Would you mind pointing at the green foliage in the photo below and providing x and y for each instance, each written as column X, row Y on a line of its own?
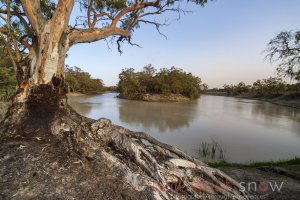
column 8, row 82
column 212, row 151
column 80, row 81
column 174, row 80
column 240, row 88
column 48, row 8
column 272, row 86
column 76, row 80
column 269, row 86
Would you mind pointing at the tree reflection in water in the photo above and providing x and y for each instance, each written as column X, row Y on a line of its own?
column 81, row 104
column 163, row 116
column 248, row 129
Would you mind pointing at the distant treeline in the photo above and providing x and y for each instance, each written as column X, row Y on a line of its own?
column 264, row 87
column 166, row 81
column 76, row 81
column 81, row 81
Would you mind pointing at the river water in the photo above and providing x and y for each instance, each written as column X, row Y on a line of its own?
column 246, row 130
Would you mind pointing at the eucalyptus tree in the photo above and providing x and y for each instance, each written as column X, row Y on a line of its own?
column 37, row 35
column 284, row 49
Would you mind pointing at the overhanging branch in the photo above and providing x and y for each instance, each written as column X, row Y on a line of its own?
column 91, row 35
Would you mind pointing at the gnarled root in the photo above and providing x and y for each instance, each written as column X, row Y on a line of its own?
column 160, row 170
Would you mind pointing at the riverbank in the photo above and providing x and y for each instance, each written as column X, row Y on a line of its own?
column 290, row 100
column 156, row 97
column 77, row 94
column 292, row 164
column 260, row 178
column 265, row 185
column 40, row 167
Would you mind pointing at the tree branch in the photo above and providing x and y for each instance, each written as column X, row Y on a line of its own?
column 10, row 32
column 21, row 40
column 8, row 49
column 88, row 35
column 60, row 19
column 32, row 10
column 91, row 25
column 139, row 5
column 12, row 12
column 24, row 22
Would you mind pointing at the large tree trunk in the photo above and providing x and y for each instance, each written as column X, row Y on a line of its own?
column 40, row 78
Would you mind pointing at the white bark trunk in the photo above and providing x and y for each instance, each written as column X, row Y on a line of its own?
column 50, row 56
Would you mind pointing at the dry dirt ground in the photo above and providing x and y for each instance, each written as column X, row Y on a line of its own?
column 40, row 168
column 264, row 182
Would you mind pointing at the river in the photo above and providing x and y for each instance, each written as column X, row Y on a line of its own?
column 246, row 130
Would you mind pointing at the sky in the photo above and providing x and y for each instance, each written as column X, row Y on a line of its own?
column 223, row 42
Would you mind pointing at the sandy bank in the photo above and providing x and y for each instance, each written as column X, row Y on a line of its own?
column 157, row 97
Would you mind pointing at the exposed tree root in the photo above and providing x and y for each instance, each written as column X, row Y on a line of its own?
column 160, row 170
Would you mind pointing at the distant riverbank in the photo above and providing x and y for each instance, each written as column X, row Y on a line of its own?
column 156, row 97
column 78, row 94
column 75, row 94
column 285, row 173
column 290, row 100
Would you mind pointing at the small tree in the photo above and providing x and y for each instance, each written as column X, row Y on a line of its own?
column 258, row 87
column 285, row 49
column 241, row 88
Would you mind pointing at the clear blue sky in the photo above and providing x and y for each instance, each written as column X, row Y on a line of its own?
column 222, row 43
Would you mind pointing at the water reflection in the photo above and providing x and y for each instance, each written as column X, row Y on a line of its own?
column 276, row 113
column 163, row 116
column 82, row 104
column 249, row 130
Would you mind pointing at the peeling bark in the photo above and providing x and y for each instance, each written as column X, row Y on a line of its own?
column 160, row 170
